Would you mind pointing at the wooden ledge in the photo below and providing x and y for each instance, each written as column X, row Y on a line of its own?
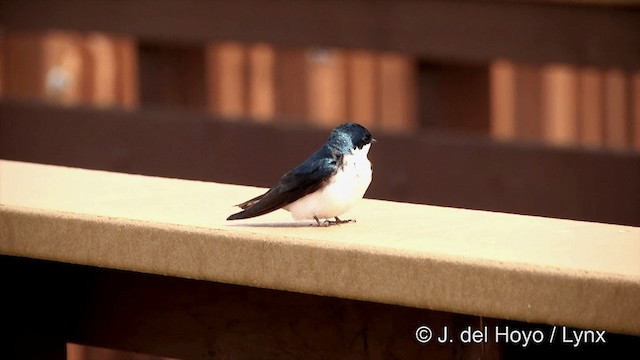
column 472, row 262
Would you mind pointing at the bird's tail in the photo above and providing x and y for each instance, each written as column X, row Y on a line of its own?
column 246, row 209
column 239, row 215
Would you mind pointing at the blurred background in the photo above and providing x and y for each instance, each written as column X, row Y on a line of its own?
column 555, row 103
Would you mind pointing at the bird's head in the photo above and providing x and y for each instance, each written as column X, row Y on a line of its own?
column 351, row 136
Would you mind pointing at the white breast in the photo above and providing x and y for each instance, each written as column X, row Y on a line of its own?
column 342, row 191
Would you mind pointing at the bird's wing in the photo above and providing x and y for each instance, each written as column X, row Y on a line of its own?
column 303, row 180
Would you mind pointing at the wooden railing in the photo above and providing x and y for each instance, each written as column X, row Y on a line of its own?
column 399, row 267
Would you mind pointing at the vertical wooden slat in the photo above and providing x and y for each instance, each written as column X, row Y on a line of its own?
column 396, row 96
column 503, row 122
column 361, row 87
column 226, row 74
column 102, row 73
column 528, row 102
column 291, row 84
column 172, row 75
column 64, row 59
column 127, row 87
column 326, row 87
column 590, row 107
column 2, row 55
column 559, row 117
column 615, row 92
column 94, row 68
column 24, row 65
column 635, row 100
column 261, row 83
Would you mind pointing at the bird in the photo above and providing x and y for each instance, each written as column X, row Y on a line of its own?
column 325, row 185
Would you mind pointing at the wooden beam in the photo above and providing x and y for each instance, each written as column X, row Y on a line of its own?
column 466, row 31
column 459, row 260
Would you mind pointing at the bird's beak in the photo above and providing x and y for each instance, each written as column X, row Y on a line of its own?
column 373, row 140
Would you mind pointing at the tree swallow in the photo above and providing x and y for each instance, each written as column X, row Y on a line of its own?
column 325, row 185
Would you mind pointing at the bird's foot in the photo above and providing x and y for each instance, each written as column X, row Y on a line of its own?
column 338, row 221
column 328, row 222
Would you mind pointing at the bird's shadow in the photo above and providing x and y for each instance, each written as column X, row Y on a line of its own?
column 278, row 225
column 292, row 224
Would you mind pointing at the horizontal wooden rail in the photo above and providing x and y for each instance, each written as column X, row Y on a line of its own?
column 480, row 31
column 471, row 262
column 425, row 167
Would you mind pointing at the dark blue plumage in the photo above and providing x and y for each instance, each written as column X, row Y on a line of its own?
column 311, row 174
